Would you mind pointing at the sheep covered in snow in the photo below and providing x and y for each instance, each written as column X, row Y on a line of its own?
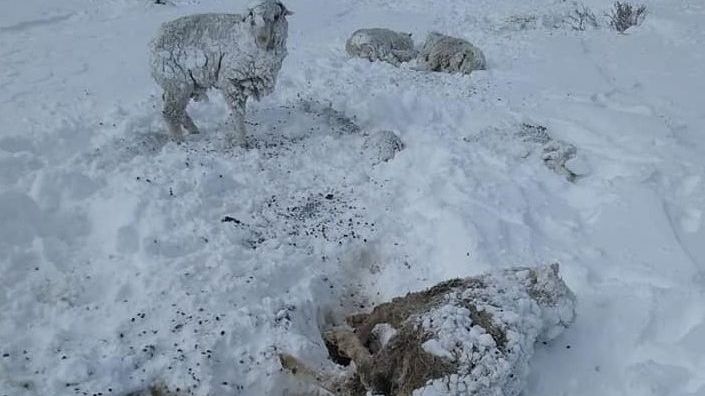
column 471, row 336
column 381, row 44
column 443, row 53
column 240, row 55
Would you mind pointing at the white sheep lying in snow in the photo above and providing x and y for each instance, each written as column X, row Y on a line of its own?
column 239, row 55
column 450, row 54
column 381, row 44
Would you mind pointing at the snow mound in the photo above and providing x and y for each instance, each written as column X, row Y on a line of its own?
column 382, row 146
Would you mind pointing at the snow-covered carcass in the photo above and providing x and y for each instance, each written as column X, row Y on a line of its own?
column 471, row 336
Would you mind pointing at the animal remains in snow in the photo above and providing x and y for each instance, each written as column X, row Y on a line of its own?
column 471, row 336
column 379, row 44
column 557, row 155
column 443, row 53
column 239, row 55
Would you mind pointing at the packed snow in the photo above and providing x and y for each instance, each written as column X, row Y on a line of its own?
column 128, row 259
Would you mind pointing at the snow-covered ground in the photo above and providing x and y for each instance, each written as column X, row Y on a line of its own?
column 126, row 259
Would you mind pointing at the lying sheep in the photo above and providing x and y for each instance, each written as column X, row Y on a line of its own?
column 443, row 53
column 381, row 44
column 471, row 336
column 239, row 55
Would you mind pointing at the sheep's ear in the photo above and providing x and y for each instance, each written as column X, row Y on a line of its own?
column 249, row 17
column 285, row 12
column 254, row 16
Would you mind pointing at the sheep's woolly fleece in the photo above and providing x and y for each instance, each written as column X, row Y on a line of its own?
column 381, row 44
column 122, row 262
column 448, row 54
column 239, row 55
column 522, row 306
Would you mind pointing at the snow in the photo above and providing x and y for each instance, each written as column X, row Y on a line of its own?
column 119, row 266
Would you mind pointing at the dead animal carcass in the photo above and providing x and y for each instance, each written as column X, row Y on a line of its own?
column 471, row 336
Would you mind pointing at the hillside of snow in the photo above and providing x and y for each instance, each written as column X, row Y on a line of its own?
column 127, row 259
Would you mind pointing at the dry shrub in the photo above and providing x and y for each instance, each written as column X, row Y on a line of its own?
column 625, row 15
column 582, row 18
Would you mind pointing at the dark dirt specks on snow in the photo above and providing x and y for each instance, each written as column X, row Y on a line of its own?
column 301, row 218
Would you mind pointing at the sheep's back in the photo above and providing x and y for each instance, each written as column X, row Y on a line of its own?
column 204, row 30
column 192, row 49
column 213, row 51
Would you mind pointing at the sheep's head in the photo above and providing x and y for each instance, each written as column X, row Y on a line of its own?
column 268, row 20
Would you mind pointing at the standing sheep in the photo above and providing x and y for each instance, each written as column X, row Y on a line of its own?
column 239, row 55
column 450, row 54
column 381, row 44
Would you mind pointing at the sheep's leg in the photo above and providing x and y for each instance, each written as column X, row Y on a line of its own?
column 188, row 123
column 349, row 345
column 237, row 101
column 170, row 113
column 363, row 323
column 335, row 383
column 174, row 113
